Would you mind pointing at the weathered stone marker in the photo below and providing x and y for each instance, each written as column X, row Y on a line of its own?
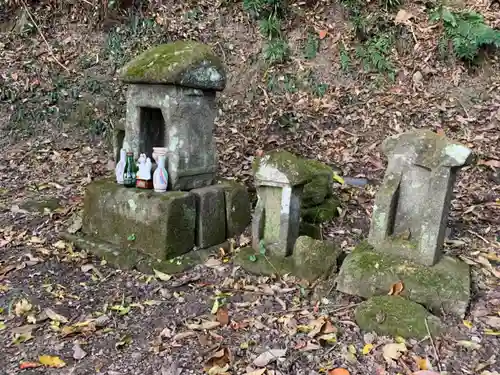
column 411, row 207
column 408, row 226
column 171, row 103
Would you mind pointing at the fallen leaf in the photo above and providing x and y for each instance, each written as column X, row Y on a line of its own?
column 469, row 344
column 76, row 224
column 208, row 324
column 396, row 289
column 26, row 365
column 22, row 307
column 338, row 371
column 392, row 352
column 162, row 276
column 260, row 371
column 468, row 324
column 492, row 321
column 306, row 346
column 269, row 356
column 426, row 372
column 51, row 361
column 322, row 34
column 367, row 349
column 490, row 163
column 223, row 316
column 78, row 352
column 403, row 16
column 219, row 359
column 61, row 245
column 52, row 315
column 423, row 363
column 183, row 335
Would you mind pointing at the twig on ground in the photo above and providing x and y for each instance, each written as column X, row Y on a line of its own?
column 43, row 37
column 433, row 346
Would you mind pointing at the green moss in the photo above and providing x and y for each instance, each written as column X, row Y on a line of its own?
column 184, row 63
column 310, row 261
column 396, row 316
column 321, row 213
column 444, row 286
column 159, row 224
column 298, row 170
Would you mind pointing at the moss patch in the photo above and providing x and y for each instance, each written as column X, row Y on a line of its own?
column 311, row 260
column 444, row 287
column 183, row 63
column 296, row 169
column 396, row 316
column 133, row 259
column 321, row 213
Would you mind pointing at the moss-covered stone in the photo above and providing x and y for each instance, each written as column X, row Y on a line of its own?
column 159, row 224
column 316, row 191
column 396, row 316
column 314, row 258
column 238, row 214
column 132, row 259
column 311, row 260
column 442, row 288
column 310, row 229
column 321, row 213
column 183, row 63
column 290, row 168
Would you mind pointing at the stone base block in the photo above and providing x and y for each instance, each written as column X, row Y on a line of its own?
column 210, row 216
column 442, row 288
column 238, row 215
column 159, row 224
column 311, row 260
column 186, row 183
column 396, row 316
column 122, row 258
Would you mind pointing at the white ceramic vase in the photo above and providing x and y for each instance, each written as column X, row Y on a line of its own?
column 120, row 166
column 160, row 175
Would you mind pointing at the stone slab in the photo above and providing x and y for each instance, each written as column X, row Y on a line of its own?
column 184, row 63
column 210, row 216
column 122, row 258
column 159, row 224
column 396, row 316
column 311, row 261
column 442, row 288
column 238, row 214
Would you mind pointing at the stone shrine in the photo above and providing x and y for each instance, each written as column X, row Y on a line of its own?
column 171, row 104
column 408, row 228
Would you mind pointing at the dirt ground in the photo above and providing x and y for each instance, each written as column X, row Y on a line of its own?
column 55, row 121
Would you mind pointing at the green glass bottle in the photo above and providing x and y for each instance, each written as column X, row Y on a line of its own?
column 129, row 174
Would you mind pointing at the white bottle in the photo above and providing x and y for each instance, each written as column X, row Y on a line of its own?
column 120, row 166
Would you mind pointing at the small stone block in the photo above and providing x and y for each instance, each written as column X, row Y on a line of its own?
column 442, row 288
column 161, row 225
column 210, row 216
column 314, row 258
column 396, row 316
column 238, row 215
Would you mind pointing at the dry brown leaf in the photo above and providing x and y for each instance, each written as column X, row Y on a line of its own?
column 490, row 163
column 222, row 316
column 392, row 352
column 403, row 17
column 260, row 371
column 492, row 321
column 221, row 358
column 396, row 289
column 207, row 324
column 269, row 356
column 52, row 315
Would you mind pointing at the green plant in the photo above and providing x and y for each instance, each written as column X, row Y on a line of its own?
column 311, row 46
column 391, row 4
column 374, row 55
column 345, row 60
column 467, row 32
column 263, row 8
column 270, row 27
column 276, row 51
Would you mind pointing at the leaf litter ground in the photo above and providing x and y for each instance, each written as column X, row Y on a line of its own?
column 121, row 322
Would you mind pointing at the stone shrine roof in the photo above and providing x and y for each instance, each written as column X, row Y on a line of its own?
column 182, row 63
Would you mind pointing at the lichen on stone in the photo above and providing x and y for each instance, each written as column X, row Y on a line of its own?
column 183, row 63
column 396, row 316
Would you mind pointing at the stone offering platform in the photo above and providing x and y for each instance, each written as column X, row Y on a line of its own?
column 162, row 226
